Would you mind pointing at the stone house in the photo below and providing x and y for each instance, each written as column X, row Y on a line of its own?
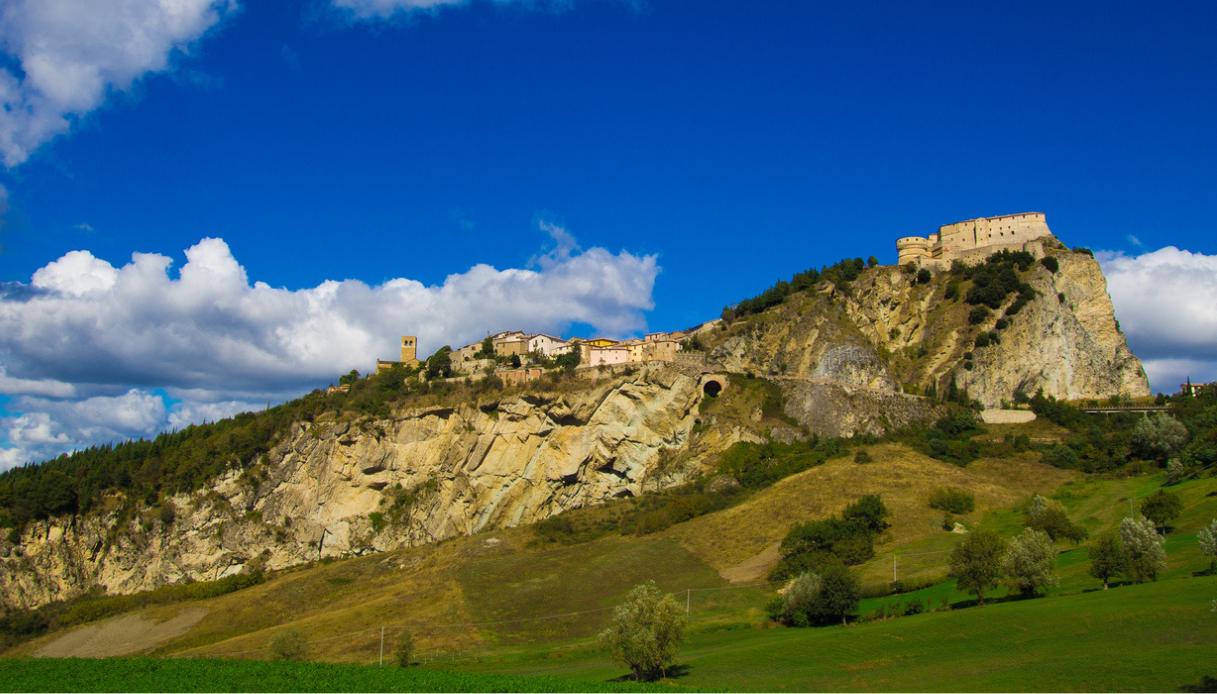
column 515, row 377
column 606, row 356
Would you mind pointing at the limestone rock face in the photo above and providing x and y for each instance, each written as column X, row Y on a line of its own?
column 1066, row 343
column 430, row 474
column 886, row 334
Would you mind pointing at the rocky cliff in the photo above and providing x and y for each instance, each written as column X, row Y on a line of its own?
column 860, row 346
column 338, row 487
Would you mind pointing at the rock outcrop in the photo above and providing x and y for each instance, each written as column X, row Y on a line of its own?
column 888, row 333
column 340, row 488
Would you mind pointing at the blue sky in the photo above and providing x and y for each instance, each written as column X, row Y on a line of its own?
column 706, row 149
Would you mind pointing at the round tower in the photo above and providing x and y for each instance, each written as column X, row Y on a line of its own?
column 912, row 249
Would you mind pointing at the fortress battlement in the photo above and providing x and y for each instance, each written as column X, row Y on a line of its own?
column 973, row 240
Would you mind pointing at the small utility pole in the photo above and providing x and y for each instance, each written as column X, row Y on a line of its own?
column 382, row 645
column 688, row 600
column 893, row 567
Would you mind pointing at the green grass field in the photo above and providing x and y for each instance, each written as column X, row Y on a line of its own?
column 182, row 675
column 1151, row 637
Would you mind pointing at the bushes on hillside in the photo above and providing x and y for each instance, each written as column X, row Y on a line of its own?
column 952, row 500
column 847, row 539
column 289, row 645
column 1158, row 437
column 827, row 597
column 1049, row 517
column 841, row 274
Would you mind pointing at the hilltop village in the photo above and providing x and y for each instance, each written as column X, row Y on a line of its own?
column 518, row 357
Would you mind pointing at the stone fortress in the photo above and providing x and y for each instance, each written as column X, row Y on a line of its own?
column 973, row 240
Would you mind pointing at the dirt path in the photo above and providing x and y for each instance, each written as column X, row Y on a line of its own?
column 754, row 568
column 123, row 635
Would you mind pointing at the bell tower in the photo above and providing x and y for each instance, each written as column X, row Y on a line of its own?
column 409, row 350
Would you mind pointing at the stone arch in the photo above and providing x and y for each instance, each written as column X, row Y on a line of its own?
column 713, row 384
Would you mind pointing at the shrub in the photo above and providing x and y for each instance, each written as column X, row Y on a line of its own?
column 645, row 632
column 1144, row 549
column 1030, row 562
column 1001, row 324
column 977, row 315
column 1051, row 263
column 923, row 276
column 289, row 645
column 403, row 650
column 1107, row 558
column 1049, row 517
column 1162, row 507
column 976, row 563
column 862, row 457
column 1061, row 456
column 952, row 500
column 868, row 513
column 796, row 606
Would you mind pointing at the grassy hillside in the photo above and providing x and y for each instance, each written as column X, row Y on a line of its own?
column 1151, row 637
column 153, row 675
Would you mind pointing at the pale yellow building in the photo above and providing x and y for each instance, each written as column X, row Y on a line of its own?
column 973, row 240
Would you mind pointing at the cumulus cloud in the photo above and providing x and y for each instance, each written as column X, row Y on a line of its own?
column 1166, row 301
column 72, row 53
column 222, row 343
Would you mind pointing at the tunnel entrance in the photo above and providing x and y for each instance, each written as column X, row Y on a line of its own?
column 712, row 388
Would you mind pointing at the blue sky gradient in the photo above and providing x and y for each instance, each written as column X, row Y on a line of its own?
column 736, row 142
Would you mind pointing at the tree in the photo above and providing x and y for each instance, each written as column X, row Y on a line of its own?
column 348, row 378
column 439, row 365
column 923, row 276
column 515, row 361
column 1107, row 558
column 403, row 650
column 867, row 513
column 1143, row 549
column 839, row 594
column 976, row 563
column 795, row 607
column 289, row 645
column 872, row 261
column 1030, row 562
column 1208, row 543
column 1158, row 437
column 486, row 351
column 646, row 631
column 826, row 597
column 1162, row 507
column 1049, row 516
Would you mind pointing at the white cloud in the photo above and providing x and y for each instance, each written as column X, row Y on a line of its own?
column 3, row 202
column 1166, row 301
column 224, row 344
column 46, row 428
column 73, row 53
column 381, row 9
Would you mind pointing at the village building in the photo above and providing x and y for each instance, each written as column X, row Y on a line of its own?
column 513, row 343
column 409, row 355
column 605, row 356
column 515, row 377
column 548, row 345
column 1195, row 390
